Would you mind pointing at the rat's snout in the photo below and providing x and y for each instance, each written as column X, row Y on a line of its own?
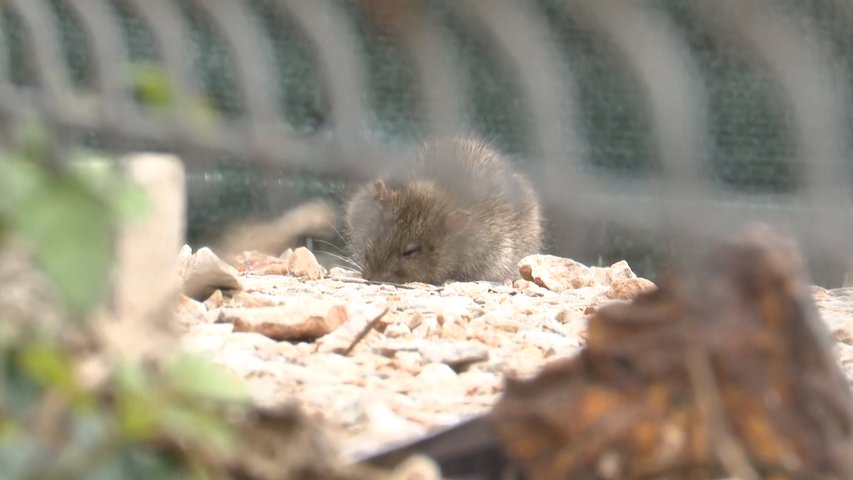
column 373, row 274
column 386, row 275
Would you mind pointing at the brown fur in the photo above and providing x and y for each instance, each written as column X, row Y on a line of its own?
column 461, row 214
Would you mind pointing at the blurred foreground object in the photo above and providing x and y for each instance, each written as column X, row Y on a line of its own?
column 145, row 284
column 725, row 371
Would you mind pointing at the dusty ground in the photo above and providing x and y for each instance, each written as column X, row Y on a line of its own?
column 435, row 356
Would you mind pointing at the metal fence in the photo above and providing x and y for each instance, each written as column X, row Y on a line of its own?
column 645, row 125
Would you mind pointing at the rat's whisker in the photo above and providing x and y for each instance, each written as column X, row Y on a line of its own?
column 339, row 249
column 342, row 258
column 338, row 232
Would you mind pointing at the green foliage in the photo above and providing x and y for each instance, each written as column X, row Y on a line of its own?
column 111, row 435
column 67, row 225
column 141, row 422
column 151, row 84
column 153, row 89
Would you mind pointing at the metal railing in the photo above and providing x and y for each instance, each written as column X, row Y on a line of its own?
column 554, row 63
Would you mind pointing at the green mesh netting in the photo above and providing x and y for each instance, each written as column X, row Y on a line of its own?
column 752, row 145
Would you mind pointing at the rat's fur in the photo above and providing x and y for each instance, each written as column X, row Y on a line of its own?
column 461, row 214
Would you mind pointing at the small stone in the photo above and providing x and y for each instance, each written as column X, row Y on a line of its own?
column 524, row 363
column 529, row 288
column 457, row 308
column 199, row 342
column 204, row 273
column 250, row 341
column 455, row 354
column 246, row 299
column 555, row 273
column 436, row 374
column 467, row 289
column 478, row 382
column 214, row 316
column 288, row 322
column 619, row 271
column 409, row 361
column 185, row 253
column 285, row 255
column 819, row 293
column 397, row 330
column 305, row 348
column 244, row 363
column 260, row 263
column 213, row 329
column 285, row 349
column 413, row 320
column 341, row 367
column 389, row 349
column 548, row 343
column 386, row 425
column 360, row 318
column 418, row 467
column 453, row 331
column 627, row 289
column 304, row 265
column 428, row 327
column 843, row 292
column 600, row 274
column 566, row 316
column 843, row 334
column 190, row 311
column 216, row 300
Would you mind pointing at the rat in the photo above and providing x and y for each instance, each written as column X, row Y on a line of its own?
column 461, row 213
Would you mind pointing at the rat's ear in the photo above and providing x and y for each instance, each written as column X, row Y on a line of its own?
column 383, row 193
column 457, row 221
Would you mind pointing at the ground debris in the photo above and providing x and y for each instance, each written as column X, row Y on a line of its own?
column 725, row 369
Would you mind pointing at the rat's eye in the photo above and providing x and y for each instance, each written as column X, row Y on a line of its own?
column 412, row 250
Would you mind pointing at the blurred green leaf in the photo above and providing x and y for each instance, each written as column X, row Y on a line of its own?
column 126, row 199
column 130, row 201
column 197, row 376
column 10, row 335
column 152, row 85
column 191, row 424
column 8, row 429
column 137, row 406
column 142, row 464
column 90, row 442
column 21, row 392
column 71, row 232
column 34, row 142
column 20, row 181
column 48, row 366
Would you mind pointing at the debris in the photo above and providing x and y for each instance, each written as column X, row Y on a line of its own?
column 259, row 263
column 344, row 340
column 725, row 368
column 628, row 288
column 289, row 322
column 555, row 273
column 204, row 273
column 303, row 264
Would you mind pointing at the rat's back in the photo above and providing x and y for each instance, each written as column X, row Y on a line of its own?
column 460, row 213
column 506, row 217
